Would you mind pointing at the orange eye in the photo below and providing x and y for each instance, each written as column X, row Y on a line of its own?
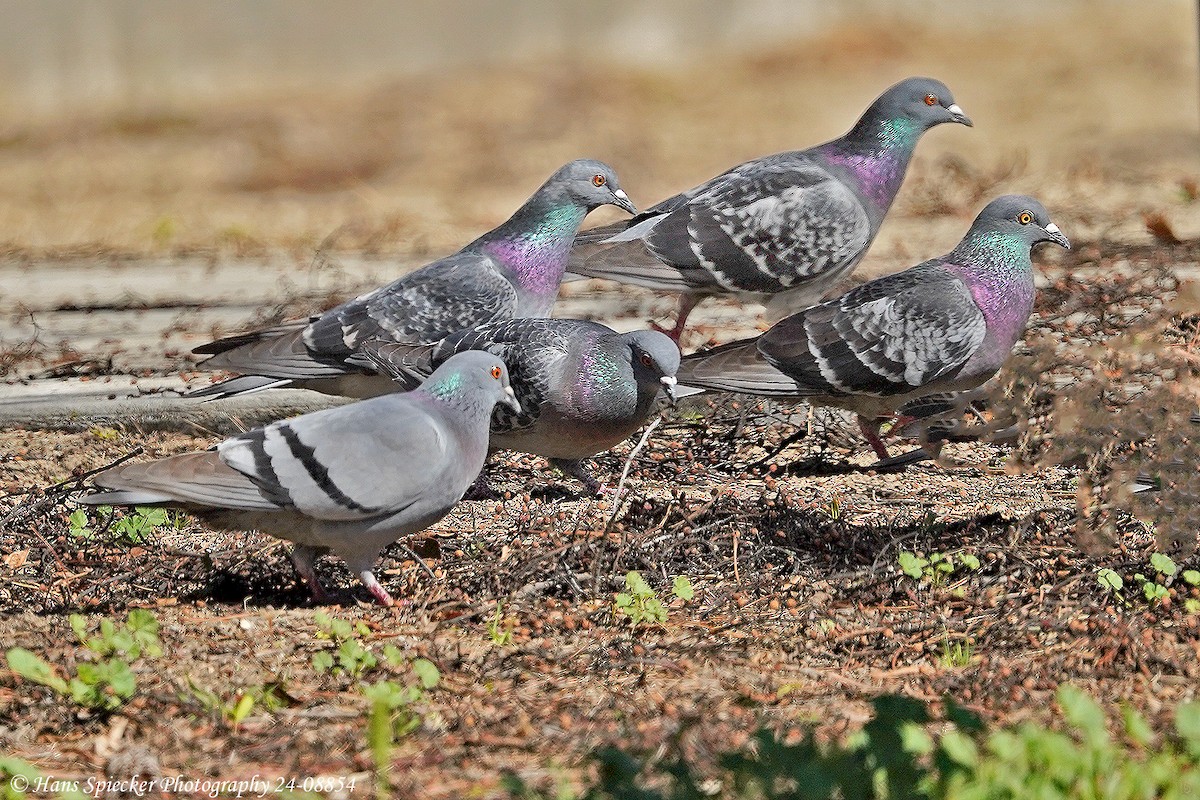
column 599, row 180
column 646, row 360
column 931, row 99
column 1024, row 218
column 497, row 372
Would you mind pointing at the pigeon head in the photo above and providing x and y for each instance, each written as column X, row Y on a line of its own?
column 473, row 376
column 655, row 359
column 1022, row 218
column 922, row 102
column 590, row 184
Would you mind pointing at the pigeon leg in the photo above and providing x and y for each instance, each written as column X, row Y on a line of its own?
column 375, row 588
column 687, row 302
column 870, row 429
column 578, row 470
column 302, row 559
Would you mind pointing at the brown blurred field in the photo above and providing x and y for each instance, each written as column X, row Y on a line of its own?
column 1096, row 112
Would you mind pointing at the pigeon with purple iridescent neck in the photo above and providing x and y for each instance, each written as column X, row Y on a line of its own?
column 582, row 386
column 781, row 229
column 945, row 325
column 351, row 479
column 511, row 272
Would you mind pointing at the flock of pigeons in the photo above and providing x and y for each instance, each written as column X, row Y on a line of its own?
column 460, row 357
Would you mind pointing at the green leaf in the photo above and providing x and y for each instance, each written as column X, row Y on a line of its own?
column 912, row 564
column 682, row 587
column 1110, row 580
column 426, row 671
column 242, row 709
column 1163, row 564
column 1083, row 713
column 322, row 661
column 1192, row 577
column 33, row 668
column 1136, row 727
column 623, row 600
column 1187, row 724
column 969, row 561
column 637, row 584
column 960, row 748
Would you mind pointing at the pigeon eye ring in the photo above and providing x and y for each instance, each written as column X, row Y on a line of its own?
column 599, row 180
column 496, row 372
column 931, row 99
column 647, row 360
column 1024, row 218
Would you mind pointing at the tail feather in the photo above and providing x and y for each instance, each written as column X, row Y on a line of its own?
column 244, row 384
column 737, row 367
column 618, row 252
column 200, row 478
column 274, row 353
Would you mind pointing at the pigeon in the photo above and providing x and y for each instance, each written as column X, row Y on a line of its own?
column 352, row 479
column 945, row 325
column 583, row 388
column 510, row 272
column 783, row 228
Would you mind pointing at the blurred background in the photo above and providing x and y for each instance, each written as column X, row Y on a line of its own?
column 261, row 132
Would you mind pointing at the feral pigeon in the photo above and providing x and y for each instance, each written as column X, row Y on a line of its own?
column 351, row 479
column 583, row 388
column 783, row 228
column 512, row 271
column 945, row 325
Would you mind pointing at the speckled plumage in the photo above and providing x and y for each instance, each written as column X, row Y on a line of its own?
column 582, row 387
column 947, row 324
column 351, row 479
column 787, row 226
column 513, row 271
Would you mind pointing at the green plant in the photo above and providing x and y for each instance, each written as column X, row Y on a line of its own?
column 902, row 753
column 498, row 631
column 129, row 528
column 956, row 655
column 106, row 683
column 639, row 603
column 937, row 568
column 270, row 696
column 350, row 656
column 392, row 716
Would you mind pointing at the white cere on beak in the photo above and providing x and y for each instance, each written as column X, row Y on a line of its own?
column 620, row 194
column 509, row 393
column 668, row 380
column 1052, row 228
column 955, row 109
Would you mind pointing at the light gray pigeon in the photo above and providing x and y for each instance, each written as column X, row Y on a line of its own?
column 583, row 388
column 510, row 272
column 945, row 325
column 783, row 228
column 351, row 479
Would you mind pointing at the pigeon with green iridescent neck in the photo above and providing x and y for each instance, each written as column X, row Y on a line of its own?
column 945, row 325
column 351, row 479
column 781, row 229
column 583, row 387
column 511, row 272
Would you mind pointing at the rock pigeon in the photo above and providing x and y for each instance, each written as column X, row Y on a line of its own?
column 945, row 325
column 583, row 388
column 351, row 479
column 512, row 271
column 783, row 228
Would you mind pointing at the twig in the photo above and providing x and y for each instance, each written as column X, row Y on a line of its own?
column 625, row 472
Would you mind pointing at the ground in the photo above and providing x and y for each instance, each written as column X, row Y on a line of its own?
column 801, row 610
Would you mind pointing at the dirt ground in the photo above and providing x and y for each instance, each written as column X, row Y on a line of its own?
column 802, row 612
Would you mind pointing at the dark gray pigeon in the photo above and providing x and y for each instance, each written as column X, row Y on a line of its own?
column 583, row 388
column 783, row 228
column 512, row 271
column 945, row 325
column 351, row 479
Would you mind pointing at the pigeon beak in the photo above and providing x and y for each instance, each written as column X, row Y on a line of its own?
column 621, row 200
column 959, row 116
column 510, row 400
column 669, row 382
column 1056, row 236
